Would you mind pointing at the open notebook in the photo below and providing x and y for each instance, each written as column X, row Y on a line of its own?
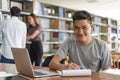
column 81, row 72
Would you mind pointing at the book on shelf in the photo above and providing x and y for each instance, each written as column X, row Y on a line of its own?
column 62, row 25
column 4, row 4
column 50, row 10
column 69, row 25
column 104, row 37
column 0, row 38
column 28, row 6
column 54, row 47
column 96, row 28
column 62, row 36
column 45, row 23
column 113, row 37
column 114, row 30
column 54, row 36
column 114, row 23
column 97, row 19
column 54, row 23
column 0, row 17
column 104, row 29
column 46, row 36
column 68, row 13
column 14, row 3
column 114, row 46
column 61, row 12
column 104, row 20
column 37, row 8
column 46, row 48
column 5, row 17
column 65, row 25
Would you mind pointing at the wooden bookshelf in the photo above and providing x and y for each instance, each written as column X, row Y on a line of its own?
column 57, row 23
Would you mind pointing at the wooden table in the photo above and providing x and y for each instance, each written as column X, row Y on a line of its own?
column 10, row 68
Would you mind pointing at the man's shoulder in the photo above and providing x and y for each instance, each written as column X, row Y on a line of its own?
column 71, row 39
column 100, row 41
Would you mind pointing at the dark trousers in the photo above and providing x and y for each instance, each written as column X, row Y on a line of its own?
column 6, row 60
column 36, row 52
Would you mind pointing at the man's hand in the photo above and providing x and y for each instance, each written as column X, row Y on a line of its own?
column 71, row 66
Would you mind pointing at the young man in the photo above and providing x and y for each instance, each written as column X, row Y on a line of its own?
column 14, row 35
column 84, row 51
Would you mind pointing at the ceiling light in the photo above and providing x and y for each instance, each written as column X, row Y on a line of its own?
column 92, row 0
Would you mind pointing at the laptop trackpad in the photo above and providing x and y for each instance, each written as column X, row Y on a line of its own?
column 44, row 72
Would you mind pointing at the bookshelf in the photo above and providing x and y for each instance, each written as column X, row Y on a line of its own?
column 5, row 6
column 57, row 23
column 107, row 30
column 59, row 27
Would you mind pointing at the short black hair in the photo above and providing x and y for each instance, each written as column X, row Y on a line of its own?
column 79, row 15
column 15, row 11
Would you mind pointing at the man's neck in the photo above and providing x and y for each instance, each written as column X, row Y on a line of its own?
column 87, row 42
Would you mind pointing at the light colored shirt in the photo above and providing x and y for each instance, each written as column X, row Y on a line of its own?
column 14, row 35
column 94, row 56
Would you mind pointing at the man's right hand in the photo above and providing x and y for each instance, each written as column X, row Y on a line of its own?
column 71, row 66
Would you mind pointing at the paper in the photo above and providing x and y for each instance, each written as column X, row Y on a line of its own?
column 81, row 72
column 5, row 74
column 111, row 74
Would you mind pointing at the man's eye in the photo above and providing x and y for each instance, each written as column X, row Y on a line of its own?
column 76, row 28
column 84, row 27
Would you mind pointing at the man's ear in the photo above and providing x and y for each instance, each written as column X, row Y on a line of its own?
column 92, row 26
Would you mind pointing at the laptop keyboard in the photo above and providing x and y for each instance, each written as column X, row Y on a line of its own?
column 43, row 72
column 39, row 73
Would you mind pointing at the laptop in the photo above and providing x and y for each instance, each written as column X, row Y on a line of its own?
column 24, row 65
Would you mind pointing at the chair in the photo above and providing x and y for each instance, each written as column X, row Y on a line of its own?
column 48, row 59
column 116, row 60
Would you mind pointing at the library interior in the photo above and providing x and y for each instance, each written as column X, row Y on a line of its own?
column 55, row 19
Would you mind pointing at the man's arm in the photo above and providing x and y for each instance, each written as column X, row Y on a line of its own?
column 56, row 65
column 106, row 68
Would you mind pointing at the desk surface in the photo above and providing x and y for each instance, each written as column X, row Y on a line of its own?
column 10, row 68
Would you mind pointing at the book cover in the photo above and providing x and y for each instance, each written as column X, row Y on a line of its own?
column 46, row 48
column 45, row 23
column 18, row 4
column 61, row 12
column 37, row 8
column 54, row 23
column 4, row 4
column 28, row 7
column 46, row 36
column 54, row 36
column 5, row 17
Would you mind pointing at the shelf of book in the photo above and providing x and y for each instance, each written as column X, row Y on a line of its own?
column 57, row 23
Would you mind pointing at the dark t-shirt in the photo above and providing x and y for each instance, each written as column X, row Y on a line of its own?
column 32, row 29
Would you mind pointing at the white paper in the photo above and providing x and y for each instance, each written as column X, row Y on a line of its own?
column 110, row 74
column 5, row 74
column 81, row 72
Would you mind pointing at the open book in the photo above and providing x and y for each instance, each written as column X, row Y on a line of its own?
column 81, row 72
column 111, row 74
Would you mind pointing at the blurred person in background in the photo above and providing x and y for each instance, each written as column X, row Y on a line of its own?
column 13, row 35
column 34, row 32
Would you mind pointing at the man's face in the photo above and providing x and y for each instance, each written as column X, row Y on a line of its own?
column 82, row 30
